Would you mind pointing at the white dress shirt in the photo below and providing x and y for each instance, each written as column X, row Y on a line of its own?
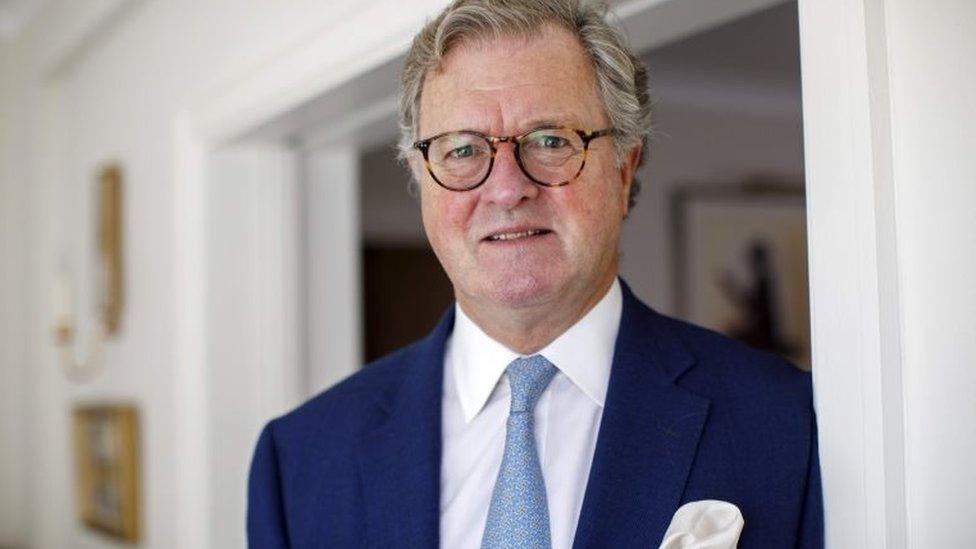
column 567, row 419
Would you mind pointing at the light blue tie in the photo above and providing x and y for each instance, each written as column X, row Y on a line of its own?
column 519, row 515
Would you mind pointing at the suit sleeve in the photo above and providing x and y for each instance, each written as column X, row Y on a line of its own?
column 266, row 528
column 811, row 530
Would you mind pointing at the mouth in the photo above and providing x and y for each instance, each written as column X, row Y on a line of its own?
column 508, row 235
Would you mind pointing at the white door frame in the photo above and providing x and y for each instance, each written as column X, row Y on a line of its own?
column 853, row 271
column 271, row 93
column 852, row 257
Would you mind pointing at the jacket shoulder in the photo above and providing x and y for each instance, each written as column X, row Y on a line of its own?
column 348, row 408
column 736, row 370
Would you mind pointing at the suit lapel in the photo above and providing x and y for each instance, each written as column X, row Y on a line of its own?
column 648, row 437
column 400, row 460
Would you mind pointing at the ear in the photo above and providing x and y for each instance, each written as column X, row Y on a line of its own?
column 627, row 170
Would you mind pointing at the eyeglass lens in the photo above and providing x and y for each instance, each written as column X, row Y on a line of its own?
column 461, row 160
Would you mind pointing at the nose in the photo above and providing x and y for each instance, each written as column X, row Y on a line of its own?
column 507, row 185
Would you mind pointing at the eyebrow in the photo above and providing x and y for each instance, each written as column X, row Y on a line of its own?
column 542, row 123
column 549, row 123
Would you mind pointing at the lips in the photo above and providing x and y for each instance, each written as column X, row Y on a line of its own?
column 507, row 235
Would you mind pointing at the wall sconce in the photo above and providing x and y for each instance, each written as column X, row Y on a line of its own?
column 109, row 286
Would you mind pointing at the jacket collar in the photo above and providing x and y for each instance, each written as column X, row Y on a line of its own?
column 400, row 460
column 648, row 436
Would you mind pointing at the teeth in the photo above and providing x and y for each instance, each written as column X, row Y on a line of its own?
column 513, row 236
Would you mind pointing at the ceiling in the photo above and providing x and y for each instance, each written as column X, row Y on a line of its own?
column 764, row 44
column 750, row 64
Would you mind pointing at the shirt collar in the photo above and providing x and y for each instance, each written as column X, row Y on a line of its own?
column 583, row 353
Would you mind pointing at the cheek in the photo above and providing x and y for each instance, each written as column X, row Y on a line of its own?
column 597, row 212
column 433, row 222
column 445, row 217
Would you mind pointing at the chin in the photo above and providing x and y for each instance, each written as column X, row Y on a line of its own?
column 519, row 291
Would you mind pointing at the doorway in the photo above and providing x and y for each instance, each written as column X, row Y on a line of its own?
column 331, row 123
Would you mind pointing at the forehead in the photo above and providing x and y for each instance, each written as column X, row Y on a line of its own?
column 506, row 85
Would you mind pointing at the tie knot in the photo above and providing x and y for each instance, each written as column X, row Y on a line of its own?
column 528, row 378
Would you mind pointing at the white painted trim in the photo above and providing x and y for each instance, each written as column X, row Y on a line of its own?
column 890, row 380
column 280, row 284
column 333, row 274
column 853, row 272
column 253, row 360
column 190, row 340
column 322, row 62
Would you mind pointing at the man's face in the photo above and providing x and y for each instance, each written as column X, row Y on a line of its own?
column 506, row 87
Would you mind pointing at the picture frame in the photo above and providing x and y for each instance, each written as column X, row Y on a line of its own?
column 106, row 439
column 111, row 295
column 739, row 261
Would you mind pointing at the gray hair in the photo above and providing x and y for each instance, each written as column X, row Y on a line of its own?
column 621, row 76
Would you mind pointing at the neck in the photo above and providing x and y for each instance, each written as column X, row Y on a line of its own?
column 528, row 330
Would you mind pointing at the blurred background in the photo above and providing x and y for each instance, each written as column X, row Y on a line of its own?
column 203, row 224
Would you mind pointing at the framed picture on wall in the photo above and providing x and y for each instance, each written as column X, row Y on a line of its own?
column 106, row 469
column 739, row 255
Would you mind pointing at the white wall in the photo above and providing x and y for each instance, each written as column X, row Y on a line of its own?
column 13, row 324
column 934, row 172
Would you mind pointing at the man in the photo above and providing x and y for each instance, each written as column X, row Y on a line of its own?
column 549, row 407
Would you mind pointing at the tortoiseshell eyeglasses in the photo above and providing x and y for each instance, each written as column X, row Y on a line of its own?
column 552, row 157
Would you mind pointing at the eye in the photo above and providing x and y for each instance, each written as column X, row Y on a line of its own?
column 549, row 141
column 465, row 151
column 552, row 142
column 458, row 148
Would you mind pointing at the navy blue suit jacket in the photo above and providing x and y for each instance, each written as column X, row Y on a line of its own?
column 689, row 415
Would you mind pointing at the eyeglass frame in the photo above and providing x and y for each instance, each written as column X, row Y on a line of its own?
column 423, row 146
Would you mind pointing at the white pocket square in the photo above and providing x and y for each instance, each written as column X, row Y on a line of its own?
column 706, row 524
